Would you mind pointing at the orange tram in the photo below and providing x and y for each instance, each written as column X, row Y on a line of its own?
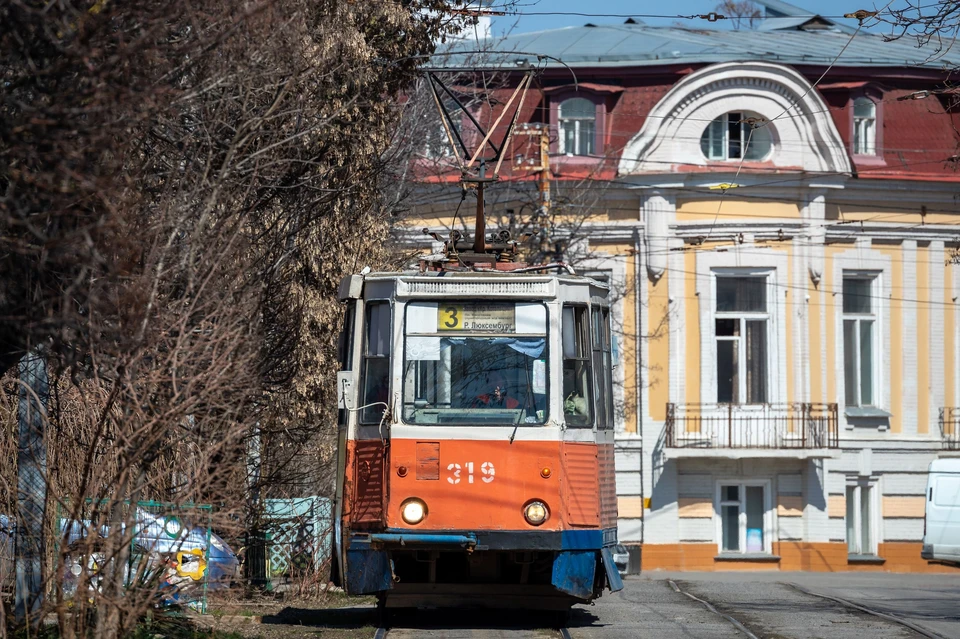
column 476, row 434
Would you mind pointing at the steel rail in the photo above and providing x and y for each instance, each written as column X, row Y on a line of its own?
column 739, row 626
column 930, row 634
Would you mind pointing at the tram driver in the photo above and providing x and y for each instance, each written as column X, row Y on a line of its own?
column 497, row 394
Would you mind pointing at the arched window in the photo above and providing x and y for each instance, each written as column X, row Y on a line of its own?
column 577, row 118
column 732, row 137
column 864, row 127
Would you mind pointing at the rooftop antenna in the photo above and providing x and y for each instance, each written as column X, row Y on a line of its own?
column 473, row 170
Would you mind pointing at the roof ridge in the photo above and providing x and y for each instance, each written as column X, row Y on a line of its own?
column 778, row 7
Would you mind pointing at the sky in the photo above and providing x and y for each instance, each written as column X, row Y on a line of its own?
column 673, row 8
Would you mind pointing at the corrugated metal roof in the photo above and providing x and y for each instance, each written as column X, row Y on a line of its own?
column 791, row 22
column 780, row 8
column 646, row 45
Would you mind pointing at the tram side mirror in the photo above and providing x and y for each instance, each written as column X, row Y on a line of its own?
column 345, row 390
column 420, row 403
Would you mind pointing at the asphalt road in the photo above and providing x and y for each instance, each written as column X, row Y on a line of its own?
column 929, row 602
column 685, row 606
column 649, row 606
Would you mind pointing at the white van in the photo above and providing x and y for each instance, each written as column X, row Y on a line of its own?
column 941, row 522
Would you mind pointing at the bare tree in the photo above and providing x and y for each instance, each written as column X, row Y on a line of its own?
column 927, row 23
column 182, row 186
column 740, row 13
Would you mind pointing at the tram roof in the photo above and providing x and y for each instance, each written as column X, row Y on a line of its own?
column 352, row 285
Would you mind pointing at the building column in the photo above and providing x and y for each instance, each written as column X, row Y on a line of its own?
column 937, row 313
column 658, row 211
column 815, row 359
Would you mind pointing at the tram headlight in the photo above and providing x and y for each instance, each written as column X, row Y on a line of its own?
column 413, row 511
column 536, row 512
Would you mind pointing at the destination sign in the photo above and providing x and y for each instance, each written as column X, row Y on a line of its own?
column 481, row 318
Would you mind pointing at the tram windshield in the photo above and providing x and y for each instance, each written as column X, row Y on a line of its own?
column 475, row 363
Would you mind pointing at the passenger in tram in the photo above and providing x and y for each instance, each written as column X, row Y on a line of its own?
column 498, row 395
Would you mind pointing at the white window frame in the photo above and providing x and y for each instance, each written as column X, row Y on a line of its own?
column 744, row 317
column 858, row 483
column 864, row 129
column 776, row 266
column 564, row 121
column 744, row 136
column 769, row 515
column 873, row 316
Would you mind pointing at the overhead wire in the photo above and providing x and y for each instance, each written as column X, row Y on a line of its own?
column 759, row 246
column 812, row 289
column 798, row 177
column 697, row 16
column 894, row 210
column 754, row 126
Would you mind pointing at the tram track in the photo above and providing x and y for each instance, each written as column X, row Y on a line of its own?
column 475, row 633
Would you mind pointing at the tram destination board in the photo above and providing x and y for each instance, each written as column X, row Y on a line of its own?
column 477, row 317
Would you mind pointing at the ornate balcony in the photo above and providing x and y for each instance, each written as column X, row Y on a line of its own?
column 950, row 428
column 762, row 430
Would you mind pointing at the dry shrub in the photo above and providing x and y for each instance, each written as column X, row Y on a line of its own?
column 184, row 185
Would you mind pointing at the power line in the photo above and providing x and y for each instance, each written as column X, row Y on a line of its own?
column 698, row 16
column 795, row 177
column 728, row 164
column 787, row 116
column 894, row 210
column 827, row 70
column 723, row 246
column 783, row 143
column 821, row 288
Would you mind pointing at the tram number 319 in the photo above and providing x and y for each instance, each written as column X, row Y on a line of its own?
column 456, row 471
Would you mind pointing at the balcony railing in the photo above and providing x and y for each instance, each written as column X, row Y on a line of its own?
column 765, row 426
column 950, row 428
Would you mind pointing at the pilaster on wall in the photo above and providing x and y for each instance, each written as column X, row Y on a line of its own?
column 800, row 283
column 658, row 212
column 936, row 395
column 813, row 379
column 953, row 391
column 678, row 330
column 909, row 346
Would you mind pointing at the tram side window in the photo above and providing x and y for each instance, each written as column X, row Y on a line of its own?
column 345, row 350
column 603, row 367
column 345, row 341
column 576, row 367
column 376, row 363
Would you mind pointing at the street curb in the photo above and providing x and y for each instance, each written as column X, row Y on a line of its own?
column 903, row 622
column 710, row 607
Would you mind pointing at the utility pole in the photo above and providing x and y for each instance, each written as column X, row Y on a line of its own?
column 542, row 133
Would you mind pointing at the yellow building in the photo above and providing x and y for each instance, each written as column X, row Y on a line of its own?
column 782, row 230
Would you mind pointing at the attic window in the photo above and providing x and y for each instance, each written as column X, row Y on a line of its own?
column 864, row 127
column 729, row 137
column 577, row 120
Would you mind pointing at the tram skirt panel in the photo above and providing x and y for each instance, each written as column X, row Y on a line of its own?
column 574, row 572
